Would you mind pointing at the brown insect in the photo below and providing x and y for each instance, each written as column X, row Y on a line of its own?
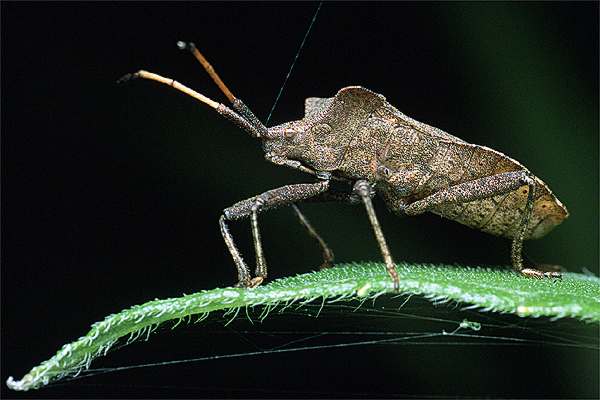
column 358, row 145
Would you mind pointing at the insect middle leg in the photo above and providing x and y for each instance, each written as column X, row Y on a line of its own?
column 328, row 256
column 484, row 188
column 363, row 190
column 250, row 208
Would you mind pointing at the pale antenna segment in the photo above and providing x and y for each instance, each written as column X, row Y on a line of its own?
column 170, row 82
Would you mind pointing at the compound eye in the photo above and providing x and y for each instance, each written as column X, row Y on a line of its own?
column 384, row 171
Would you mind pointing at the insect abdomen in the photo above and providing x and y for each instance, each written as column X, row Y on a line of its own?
column 436, row 165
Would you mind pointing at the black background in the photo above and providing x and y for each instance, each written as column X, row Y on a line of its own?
column 111, row 193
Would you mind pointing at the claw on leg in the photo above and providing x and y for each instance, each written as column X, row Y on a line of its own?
column 256, row 281
column 536, row 273
column 328, row 258
column 250, row 283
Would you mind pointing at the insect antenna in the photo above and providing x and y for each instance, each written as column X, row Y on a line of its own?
column 222, row 109
column 191, row 47
column 236, row 103
column 169, row 82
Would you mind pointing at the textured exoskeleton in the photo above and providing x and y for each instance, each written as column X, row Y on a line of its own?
column 358, row 135
column 359, row 139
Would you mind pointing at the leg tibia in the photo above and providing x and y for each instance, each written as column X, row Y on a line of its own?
column 363, row 190
column 328, row 256
column 242, row 268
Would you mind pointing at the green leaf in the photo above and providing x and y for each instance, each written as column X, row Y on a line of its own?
column 575, row 295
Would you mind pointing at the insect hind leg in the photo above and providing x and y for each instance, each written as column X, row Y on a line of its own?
column 528, row 262
column 484, row 188
column 516, row 253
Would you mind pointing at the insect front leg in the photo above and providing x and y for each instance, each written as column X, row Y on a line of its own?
column 363, row 190
column 285, row 195
column 484, row 188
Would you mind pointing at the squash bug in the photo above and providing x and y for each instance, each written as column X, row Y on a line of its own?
column 357, row 145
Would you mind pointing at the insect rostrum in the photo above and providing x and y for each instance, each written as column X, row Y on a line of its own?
column 362, row 141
